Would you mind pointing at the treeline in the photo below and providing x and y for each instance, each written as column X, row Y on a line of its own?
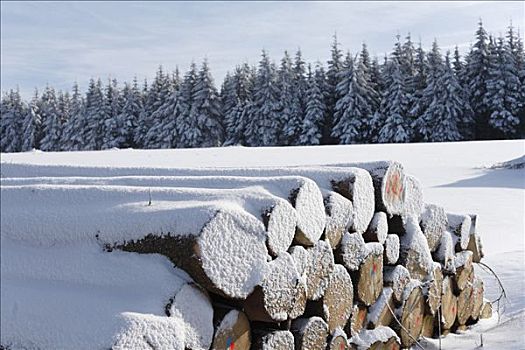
column 410, row 96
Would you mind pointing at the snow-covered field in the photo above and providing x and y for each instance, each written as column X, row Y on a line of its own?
column 60, row 296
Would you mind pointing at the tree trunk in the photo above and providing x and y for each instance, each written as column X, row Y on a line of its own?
column 459, row 225
column 391, row 252
column 449, row 304
column 396, row 277
column 232, row 331
column 368, row 279
column 281, row 294
column 272, row 340
column 410, row 314
column 310, row 333
column 433, row 223
column 339, row 216
column 380, row 313
column 377, row 229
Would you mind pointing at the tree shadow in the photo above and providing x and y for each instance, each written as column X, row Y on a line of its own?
column 494, row 178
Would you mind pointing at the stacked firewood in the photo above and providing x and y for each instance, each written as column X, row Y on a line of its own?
column 334, row 257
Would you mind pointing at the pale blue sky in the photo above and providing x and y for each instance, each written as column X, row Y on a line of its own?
column 62, row 42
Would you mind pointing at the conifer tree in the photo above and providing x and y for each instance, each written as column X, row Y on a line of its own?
column 12, row 112
column 293, row 126
column 285, row 85
column 335, row 66
column 31, row 125
column 51, row 121
column 95, row 115
column 311, row 132
column 187, row 128
column 72, row 136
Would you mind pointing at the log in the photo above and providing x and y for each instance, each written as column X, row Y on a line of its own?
column 338, row 340
column 448, row 304
column 339, row 216
column 475, row 245
column 280, row 295
column 380, row 313
column 391, row 252
column 351, row 252
column 388, row 178
column 377, row 229
column 381, row 338
column 303, row 193
column 335, row 306
column 396, row 277
column 432, row 290
column 301, row 259
column 232, row 331
column 465, row 304
column 357, row 320
column 414, row 204
column 459, row 225
column 310, row 333
column 464, row 269
column 319, row 269
column 486, row 310
column 368, row 279
column 433, row 223
column 414, row 253
column 428, row 326
column 445, row 255
column 477, row 298
column 410, row 314
column 272, row 340
column 198, row 327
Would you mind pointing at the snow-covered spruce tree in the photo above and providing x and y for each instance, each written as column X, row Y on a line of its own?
column 187, row 128
column 370, row 127
column 311, row 131
column 394, row 106
column 51, row 121
column 335, row 66
column 95, row 116
column 503, row 96
column 263, row 127
column 72, row 135
column 285, row 85
column 31, row 124
column 355, row 105
column 163, row 134
column 293, row 126
column 113, row 105
column 205, row 111
column 12, row 112
column 515, row 43
column 476, row 74
column 128, row 117
column 156, row 95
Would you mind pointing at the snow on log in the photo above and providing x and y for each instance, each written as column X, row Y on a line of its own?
column 464, row 269
column 433, row 224
column 376, row 339
column 477, row 297
column 414, row 253
column 338, row 340
column 336, row 304
column 445, row 255
column 391, row 251
column 339, row 216
column 486, row 310
column 377, row 229
column 459, row 225
column 449, row 304
column 389, row 184
column 122, row 217
column 310, row 333
column 320, row 268
column 475, row 245
column 397, row 277
column 368, row 279
column 410, row 314
column 272, row 340
column 432, row 289
column 380, row 313
column 192, row 306
column 413, row 197
column 357, row 320
column 232, row 331
column 280, row 295
column 301, row 259
column 351, row 251
column 301, row 192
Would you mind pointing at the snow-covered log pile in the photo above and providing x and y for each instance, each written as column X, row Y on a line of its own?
column 338, row 257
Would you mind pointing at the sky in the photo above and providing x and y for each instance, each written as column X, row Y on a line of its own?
column 58, row 43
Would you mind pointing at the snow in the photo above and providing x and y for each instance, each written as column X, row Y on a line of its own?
column 379, row 225
column 413, row 197
column 456, row 176
column 414, row 251
column 460, row 226
column 392, row 247
column 367, row 337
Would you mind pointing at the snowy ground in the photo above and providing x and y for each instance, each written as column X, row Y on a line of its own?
column 455, row 175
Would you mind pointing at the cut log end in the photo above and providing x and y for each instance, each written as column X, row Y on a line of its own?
column 464, row 269
column 337, row 299
column 339, row 217
column 459, row 225
column 433, row 290
column 338, row 340
column 311, row 217
column 377, row 229
column 396, row 277
column 486, row 310
column 272, row 340
column 368, row 279
column 449, row 304
column 310, row 333
column 319, row 269
column 380, row 313
column 357, row 320
column 433, row 224
column 233, row 332
column 351, row 251
column 391, row 253
column 411, row 314
column 281, row 222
